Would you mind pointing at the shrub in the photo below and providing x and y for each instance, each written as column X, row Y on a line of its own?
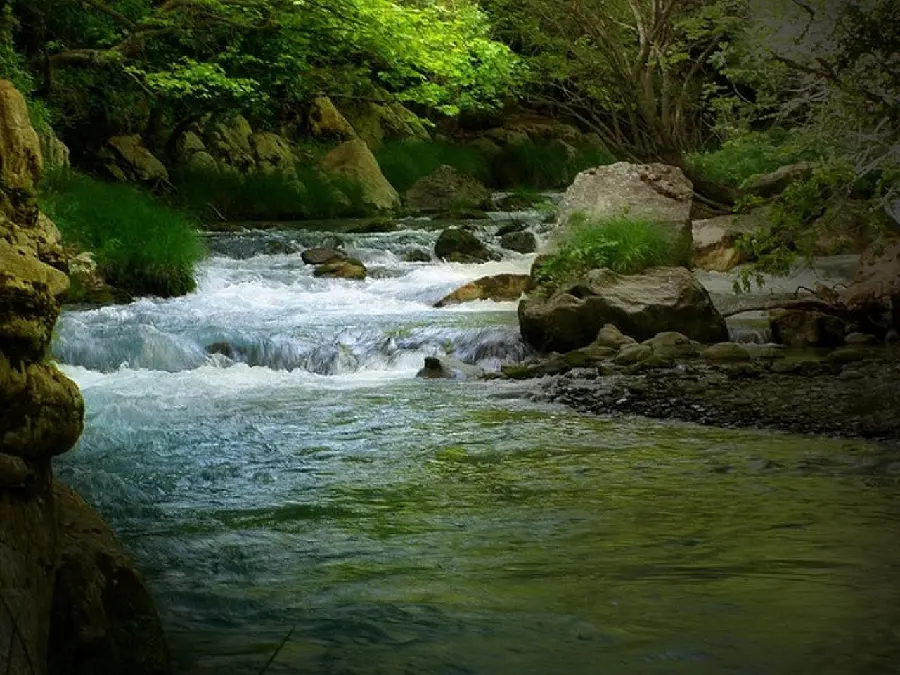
column 210, row 194
column 543, row 164
column 750, row 154
column 620, row 244
column 141, row 247
column 405, row 162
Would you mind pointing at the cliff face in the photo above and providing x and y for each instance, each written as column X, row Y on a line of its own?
column 41, row 416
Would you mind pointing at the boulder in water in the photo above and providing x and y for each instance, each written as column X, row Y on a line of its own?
column 520, row 242
column 643, row 305
column 322, row 255
column 499, row 288
column 417, row 255
column 348, row 268
column 726, row 352
column 445, row 368
column 802, row 328
column 457, row 245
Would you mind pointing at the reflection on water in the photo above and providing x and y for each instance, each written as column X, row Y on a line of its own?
column 421, row 527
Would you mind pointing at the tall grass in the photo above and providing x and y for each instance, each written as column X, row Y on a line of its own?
column 620, row 244
column 210, row 194
column 141, row 246
column 750, row 154
column 543, row 165
column 405, row 162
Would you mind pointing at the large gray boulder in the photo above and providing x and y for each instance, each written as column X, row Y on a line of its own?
column 326, row 121
column 447, row 189
column 655, row 192
column 662, row 299
column 715, row 239
column 355, row 161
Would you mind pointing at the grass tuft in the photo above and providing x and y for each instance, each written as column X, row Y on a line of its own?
column 141, row 246
column 623, row 245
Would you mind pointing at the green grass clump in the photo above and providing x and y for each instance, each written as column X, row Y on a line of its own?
column 623, row 245
column 141, row 246
column 210, row 194
column 750, row 154
column 543, row 165
column 405, row 162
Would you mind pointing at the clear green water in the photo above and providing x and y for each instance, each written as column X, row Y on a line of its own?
column 434, row 528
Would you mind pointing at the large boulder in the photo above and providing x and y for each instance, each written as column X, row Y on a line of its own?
column 875, row 291
column 499, row 288
column 457, row 245
column 127, row 159
column 272, row 153
column 229, row 143
column 377, row 122
column 326, row 122
column 20, row 150
column 520, row 242
column 655, row 192
column 447, row 189
column 355, row 161
column 103, row 618
column 662, row 299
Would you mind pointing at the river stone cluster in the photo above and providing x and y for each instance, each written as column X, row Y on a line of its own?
column 70, row 601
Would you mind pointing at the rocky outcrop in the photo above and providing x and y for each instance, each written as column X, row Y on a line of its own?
column 654, row 192
column 376, row 122
column 41, row 411
column 445, row 190
column 662, row 299
column 875, row 291
column 272, row 153
column 457, row 245
column 498, row 288
column 127, row 159
column 326, row 122
column 228, row 142
column 103, row 619
column 355, row 161
column 54, row 152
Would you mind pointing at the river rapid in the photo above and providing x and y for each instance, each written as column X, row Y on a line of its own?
column 302, row 482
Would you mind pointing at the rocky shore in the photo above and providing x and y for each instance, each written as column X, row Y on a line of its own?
column 804, row 394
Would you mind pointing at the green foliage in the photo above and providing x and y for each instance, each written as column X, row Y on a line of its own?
column 405, row 162
column 211, row 194
column 543, row 165
column 748, row 154
column 142, row 247
column 623, row 245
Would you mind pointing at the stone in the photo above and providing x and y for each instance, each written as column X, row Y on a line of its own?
column 349, row 268
column 325, row 121
column 654, row 192
column 450, row 369
column 802, row 328
column 633, row 354
column 447, row 189
column 322, row 255
column 272, row 153
column 520, row 242
column 457, row 244
column 55, row 153
column 610, row 336
column 499, row 288
column 126, row 158
column 714, row 239
column 353, row 160
column 849, row 354
column 726, row 352
column 861, row 339
column 86, row 282
column 21, row 163
column 417, row 255
column 875, row 290
column 376, row 122
column 103, row 617
column 14, row 472
column 662, row 299
column 773, row 184
column 228, row 142
column 672, row 345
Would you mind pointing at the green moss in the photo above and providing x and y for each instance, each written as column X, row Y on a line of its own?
column 141, row 246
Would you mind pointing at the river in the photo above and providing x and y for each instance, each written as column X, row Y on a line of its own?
column 309, row 485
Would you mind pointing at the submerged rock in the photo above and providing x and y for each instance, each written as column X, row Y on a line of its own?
column 445, row 368
column 499, row 288
column 663, row 299
column 348, row 268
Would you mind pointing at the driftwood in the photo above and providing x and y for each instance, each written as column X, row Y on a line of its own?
column 807, row 304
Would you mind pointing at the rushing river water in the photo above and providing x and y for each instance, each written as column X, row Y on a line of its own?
column 303, row 480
